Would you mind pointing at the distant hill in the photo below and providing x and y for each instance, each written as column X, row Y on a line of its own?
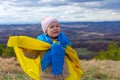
column 82, row 34
column 110, row 27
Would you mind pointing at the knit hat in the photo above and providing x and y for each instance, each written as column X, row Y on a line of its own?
column 47, row 21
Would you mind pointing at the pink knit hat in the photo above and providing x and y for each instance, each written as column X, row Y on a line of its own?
column 47, row 21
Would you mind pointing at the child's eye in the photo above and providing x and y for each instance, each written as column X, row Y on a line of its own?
column 51, row 26
column 57, row 26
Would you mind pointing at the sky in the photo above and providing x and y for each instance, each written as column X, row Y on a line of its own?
column 32, row 11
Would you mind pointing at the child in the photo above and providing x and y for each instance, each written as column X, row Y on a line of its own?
column 57, row 68
column 50, row 56
column 52, row 34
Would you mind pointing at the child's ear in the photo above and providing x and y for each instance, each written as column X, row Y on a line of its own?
column 46, row 33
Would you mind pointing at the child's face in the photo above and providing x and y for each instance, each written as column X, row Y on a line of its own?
column 53, row 30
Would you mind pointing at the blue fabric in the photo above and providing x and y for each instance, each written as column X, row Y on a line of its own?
column 57, row 58
column 55, row 55
column 62, row 38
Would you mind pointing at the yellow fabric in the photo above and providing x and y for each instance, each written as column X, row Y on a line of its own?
column 27, row 42
column 73, row 64
column 32, row 66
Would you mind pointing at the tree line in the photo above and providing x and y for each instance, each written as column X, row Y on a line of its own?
column 6, row 51
column 111, row 53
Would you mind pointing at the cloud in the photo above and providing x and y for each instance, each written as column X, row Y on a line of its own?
column 111, row 4
column 102, row 4
column 35, row 3
column 65, row 10
column 83, row 0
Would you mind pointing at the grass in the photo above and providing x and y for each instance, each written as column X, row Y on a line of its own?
column 15, row 76
column 95, row 74
column 93, row 70
column 83, row 51
column 100, row 70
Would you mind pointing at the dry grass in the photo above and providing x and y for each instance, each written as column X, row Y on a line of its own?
column 10, row 70
column 93, row 70
column 101, row 69
column 9, row 65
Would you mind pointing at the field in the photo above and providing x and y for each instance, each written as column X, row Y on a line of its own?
column 93, row 70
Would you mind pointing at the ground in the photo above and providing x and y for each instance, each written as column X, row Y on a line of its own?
column 94, row 69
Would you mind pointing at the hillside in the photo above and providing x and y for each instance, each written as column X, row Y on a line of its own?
column 91, row 35
column 93, row 70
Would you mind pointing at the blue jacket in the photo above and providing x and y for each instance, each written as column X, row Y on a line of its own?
column 55, row 55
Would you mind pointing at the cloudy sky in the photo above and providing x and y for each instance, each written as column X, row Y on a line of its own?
column 32, row 11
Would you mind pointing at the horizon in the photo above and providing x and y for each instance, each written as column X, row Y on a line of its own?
column 32, row 11
column 60, row 22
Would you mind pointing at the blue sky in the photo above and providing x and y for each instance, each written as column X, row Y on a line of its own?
column 32, row 11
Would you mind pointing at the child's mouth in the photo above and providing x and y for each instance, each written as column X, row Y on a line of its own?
column 55, row 32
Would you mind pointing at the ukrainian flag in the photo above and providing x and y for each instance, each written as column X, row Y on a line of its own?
column 32, row 66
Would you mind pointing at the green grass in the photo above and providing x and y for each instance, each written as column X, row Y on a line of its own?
column 95, row 74
column 15, row 76
column 83, row 51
